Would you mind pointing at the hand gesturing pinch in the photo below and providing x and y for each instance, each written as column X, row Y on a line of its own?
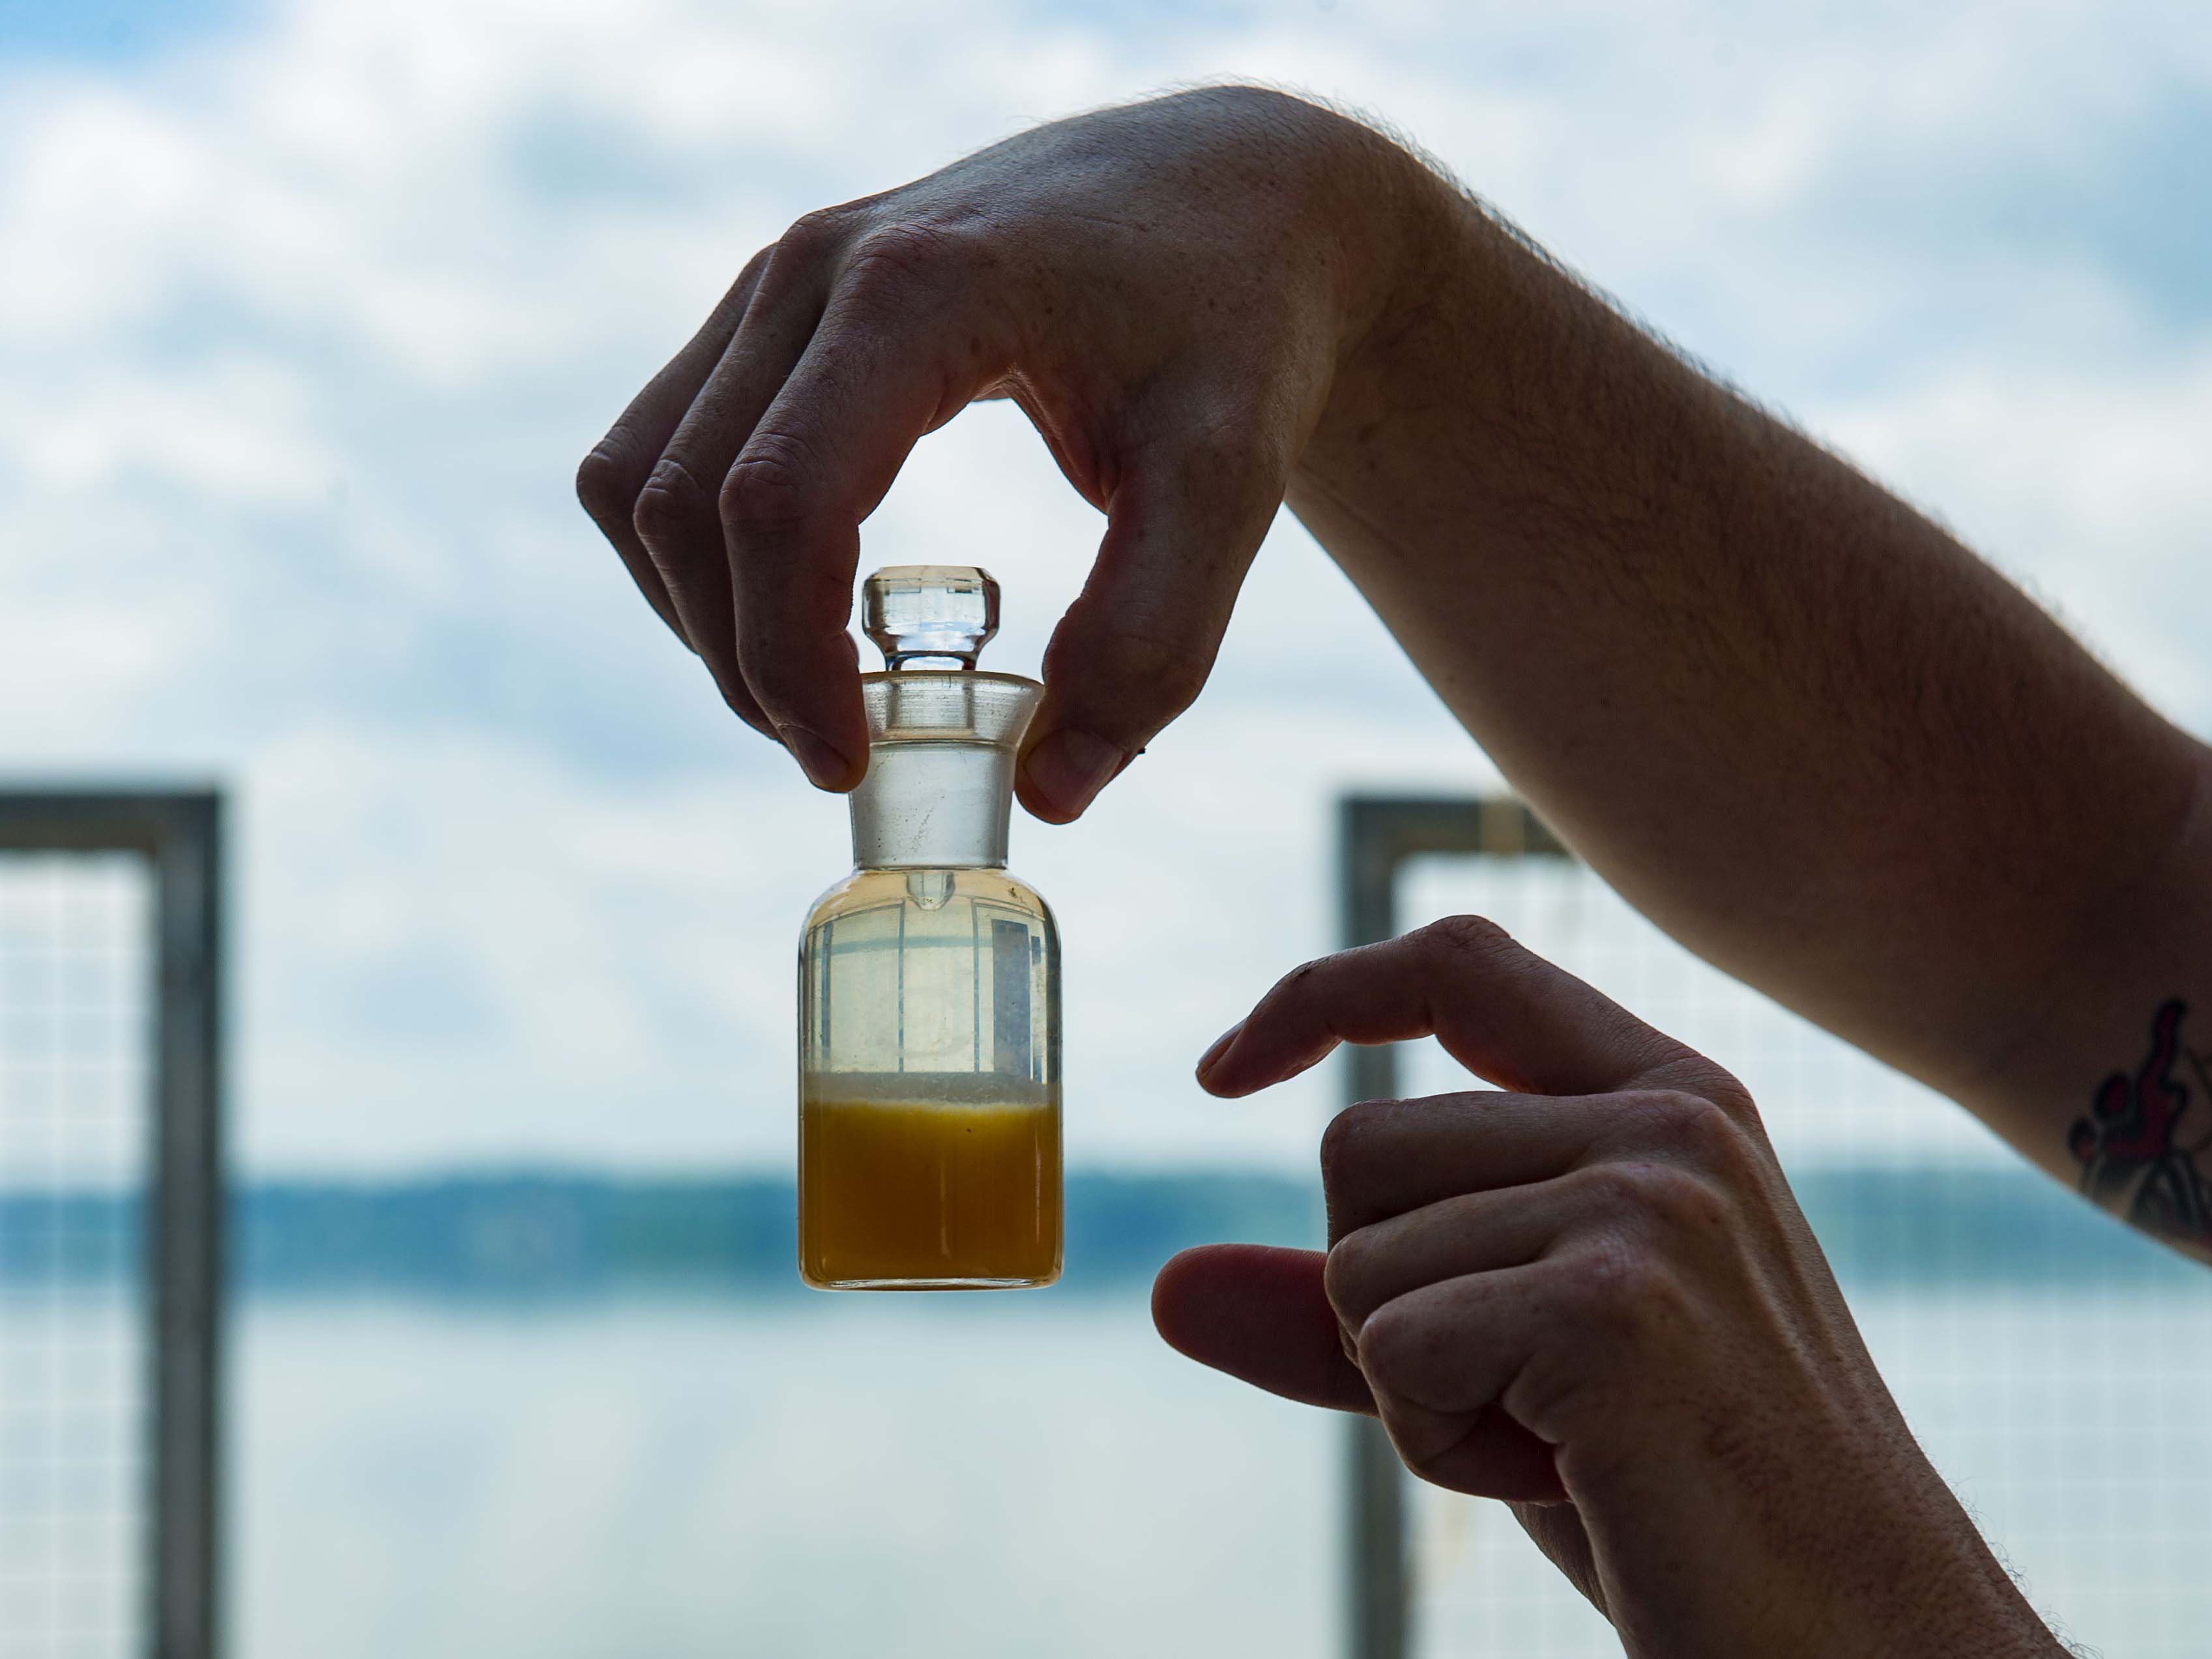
column 1592, row 1296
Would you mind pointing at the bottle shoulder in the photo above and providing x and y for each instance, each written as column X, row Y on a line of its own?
column 870, row 889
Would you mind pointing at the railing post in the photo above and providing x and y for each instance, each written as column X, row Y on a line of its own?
column 1376, row 1592
column 178, row 832
column 185, row 1232
column 1375, row 836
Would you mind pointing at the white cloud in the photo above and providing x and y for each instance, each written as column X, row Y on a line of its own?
column 242, row 433
column 301, row 330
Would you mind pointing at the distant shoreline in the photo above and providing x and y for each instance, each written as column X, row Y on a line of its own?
column 549, row 1235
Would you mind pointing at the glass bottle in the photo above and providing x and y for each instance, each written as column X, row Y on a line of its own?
column 929, row 979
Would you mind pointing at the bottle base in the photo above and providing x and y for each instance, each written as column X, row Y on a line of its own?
column 950, row 1284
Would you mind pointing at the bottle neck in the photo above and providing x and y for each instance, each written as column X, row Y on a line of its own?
column 940, row 782
column 932, row 804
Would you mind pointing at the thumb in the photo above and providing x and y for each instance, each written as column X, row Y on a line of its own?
column 1134, row 649
column 1260, row 1313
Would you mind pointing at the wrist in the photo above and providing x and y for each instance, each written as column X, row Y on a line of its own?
column 1447, row 303
column 1385, row 226
column 1411, row 243
column 1862, row 1549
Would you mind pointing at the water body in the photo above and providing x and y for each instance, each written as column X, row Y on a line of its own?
column 572, row 1418
column 845, row 1476
column 1019, row 1476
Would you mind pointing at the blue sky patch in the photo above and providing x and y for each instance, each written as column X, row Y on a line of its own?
column 109, row 31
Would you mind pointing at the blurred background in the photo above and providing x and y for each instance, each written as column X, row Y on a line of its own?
column 308, row 310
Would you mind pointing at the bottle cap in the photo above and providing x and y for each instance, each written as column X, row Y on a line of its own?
column 930, row 616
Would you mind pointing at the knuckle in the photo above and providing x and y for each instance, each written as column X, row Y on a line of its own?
column 797, row 259
column 1613, row 1189
column 1614, row 1291
column 1423, row 1462
column 1555, row 1394
column 1688, row 1122
column 739, row 298
column 606, row 481
column 814, row 231
column 1452, row 937
column 1344, row 1273
column 1728, row 1094
column 672, row 505
column 754, row 268
column 767, row 493
column 1666, row 1192
column 1430, row 1460
column 900, row 256
column 1397, row 1349
column 1717, row 1139
column 1341, row 1140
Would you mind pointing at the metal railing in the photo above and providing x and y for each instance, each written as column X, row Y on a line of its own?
column 176, row 1210
column 1375, row 835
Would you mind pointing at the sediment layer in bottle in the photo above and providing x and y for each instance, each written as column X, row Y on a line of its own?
column 928, row 1193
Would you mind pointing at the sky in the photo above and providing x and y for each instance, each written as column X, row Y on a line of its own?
column 308, row 309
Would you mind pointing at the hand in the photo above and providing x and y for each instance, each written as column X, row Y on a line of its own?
column 1594, row 1297
column 1164, row 289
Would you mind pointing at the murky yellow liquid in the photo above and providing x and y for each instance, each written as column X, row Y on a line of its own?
column 905, row 1195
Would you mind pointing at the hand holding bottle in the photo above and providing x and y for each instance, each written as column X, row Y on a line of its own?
column 1593, row 1297
column 1166, row 291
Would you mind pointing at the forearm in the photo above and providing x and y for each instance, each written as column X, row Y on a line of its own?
column 1790, row 719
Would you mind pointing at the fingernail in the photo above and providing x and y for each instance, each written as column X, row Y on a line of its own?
column 1212, row 1057
column 825, row 766
column 1071, row 767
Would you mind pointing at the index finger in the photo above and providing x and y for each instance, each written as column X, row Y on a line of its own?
column 1501, row 1010
column 611, row 477
column 880, row 373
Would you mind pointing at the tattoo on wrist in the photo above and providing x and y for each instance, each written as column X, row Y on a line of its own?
column 2139, row 1147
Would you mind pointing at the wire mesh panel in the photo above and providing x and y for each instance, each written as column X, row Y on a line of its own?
column 111, row 1221
column 77, row 979
column 2052, row 1365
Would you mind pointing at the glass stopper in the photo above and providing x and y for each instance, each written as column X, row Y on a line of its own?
column 930, row 616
